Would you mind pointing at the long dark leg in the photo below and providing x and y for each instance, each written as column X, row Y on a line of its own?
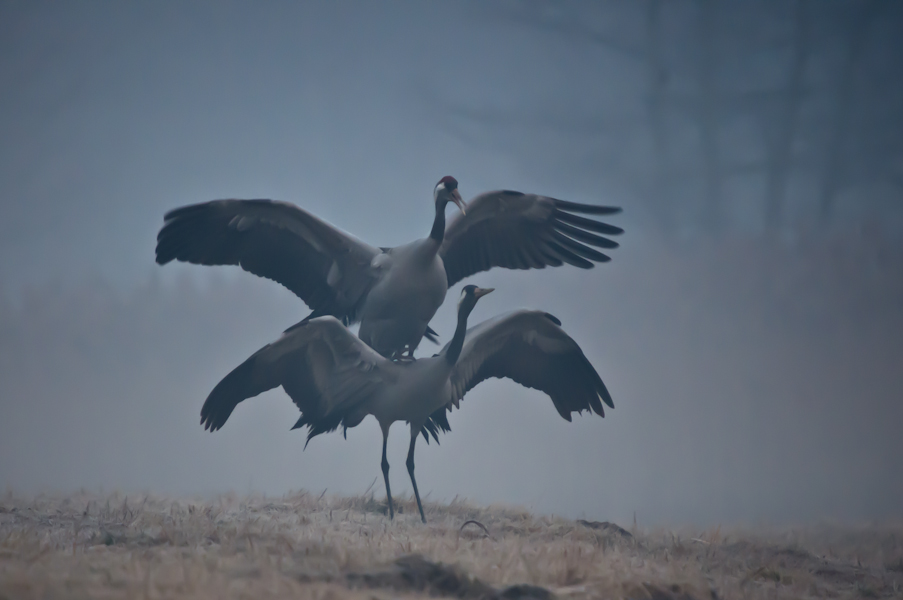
column 385, row 465
column 410, row 463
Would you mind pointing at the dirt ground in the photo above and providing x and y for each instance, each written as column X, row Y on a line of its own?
column 316, row 546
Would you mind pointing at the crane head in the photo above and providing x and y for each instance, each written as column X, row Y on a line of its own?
column 469, row 296
column 447, row 189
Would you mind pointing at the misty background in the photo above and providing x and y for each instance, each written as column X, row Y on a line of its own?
column 750, row 328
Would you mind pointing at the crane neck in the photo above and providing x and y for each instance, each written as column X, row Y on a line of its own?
column 437, row 233
column 457, row 343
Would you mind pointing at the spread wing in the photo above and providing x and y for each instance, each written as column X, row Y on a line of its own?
column 531, row 348
column 326, row 267
column 325, row 369
column 524, row 231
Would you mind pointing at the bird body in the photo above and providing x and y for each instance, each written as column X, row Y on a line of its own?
column 410, row 287
column 393, row 292
column 336, row 380
column 423, row 389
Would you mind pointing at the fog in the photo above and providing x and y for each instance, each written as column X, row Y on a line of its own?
column 750, row 328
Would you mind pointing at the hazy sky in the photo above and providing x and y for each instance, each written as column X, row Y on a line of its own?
column 113, row 114
column 748, row 384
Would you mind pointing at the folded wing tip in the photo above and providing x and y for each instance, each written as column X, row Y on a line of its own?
column 553, row 318
column 606, row 397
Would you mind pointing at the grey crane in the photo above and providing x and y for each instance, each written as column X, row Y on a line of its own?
column 393, row 292
column 337, row 380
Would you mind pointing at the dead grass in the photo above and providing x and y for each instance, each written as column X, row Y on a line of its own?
column 308, row 546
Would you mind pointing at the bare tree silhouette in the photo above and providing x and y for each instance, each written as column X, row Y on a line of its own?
column 823, row 82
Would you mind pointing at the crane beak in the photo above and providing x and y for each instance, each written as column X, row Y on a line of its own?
column 456, row 198
column 480, row 292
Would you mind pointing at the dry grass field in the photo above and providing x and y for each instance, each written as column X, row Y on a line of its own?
column 312, row 546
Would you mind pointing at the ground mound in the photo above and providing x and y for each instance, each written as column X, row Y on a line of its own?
column 316, row 546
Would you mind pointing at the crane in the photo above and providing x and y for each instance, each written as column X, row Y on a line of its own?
column 393, row 292
column 337, row 380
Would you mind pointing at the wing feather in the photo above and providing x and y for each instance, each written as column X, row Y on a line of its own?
column 531, row 348
column 524, row 231
column 325, row 369
column 324, row 266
